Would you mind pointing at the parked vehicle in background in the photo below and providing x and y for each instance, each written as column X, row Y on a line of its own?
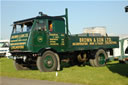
column 121, row 53
column 4, row 48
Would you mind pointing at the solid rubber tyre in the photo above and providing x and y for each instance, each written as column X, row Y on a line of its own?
column 47, row 62
column 99, row 58
column 100, row 54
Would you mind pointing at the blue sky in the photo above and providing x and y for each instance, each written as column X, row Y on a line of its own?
column 82, row 14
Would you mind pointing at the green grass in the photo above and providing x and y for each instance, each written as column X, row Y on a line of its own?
column 112, row 74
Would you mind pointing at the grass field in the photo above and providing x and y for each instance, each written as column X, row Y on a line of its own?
column 112, row 74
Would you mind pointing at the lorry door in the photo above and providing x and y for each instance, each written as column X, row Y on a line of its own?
column 40, row 35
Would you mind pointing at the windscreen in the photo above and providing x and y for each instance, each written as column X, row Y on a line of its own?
column 22, row 27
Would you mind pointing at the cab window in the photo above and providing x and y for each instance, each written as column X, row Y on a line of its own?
column 41, row 25
column 50, row 26
column 22, row 27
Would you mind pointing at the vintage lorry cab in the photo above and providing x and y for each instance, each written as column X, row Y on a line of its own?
column 44, row 42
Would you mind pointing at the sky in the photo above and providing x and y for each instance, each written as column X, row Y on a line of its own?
column 81, row 14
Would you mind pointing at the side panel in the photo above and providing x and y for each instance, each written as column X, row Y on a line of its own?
column 89, row 43
column 57, row 41
column 19, row 41
column 58, row 26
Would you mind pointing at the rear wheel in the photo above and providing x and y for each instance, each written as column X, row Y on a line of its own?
column 47, row 62
column 99, row 59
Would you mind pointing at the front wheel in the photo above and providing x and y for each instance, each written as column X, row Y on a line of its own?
column 47, row 62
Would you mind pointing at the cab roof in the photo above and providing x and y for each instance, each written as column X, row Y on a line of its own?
column 39, row 17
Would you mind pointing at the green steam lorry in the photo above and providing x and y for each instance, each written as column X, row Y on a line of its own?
column 45, row 42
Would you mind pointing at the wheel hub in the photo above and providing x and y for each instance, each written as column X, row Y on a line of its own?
column 101, row 59
column 48, row 62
